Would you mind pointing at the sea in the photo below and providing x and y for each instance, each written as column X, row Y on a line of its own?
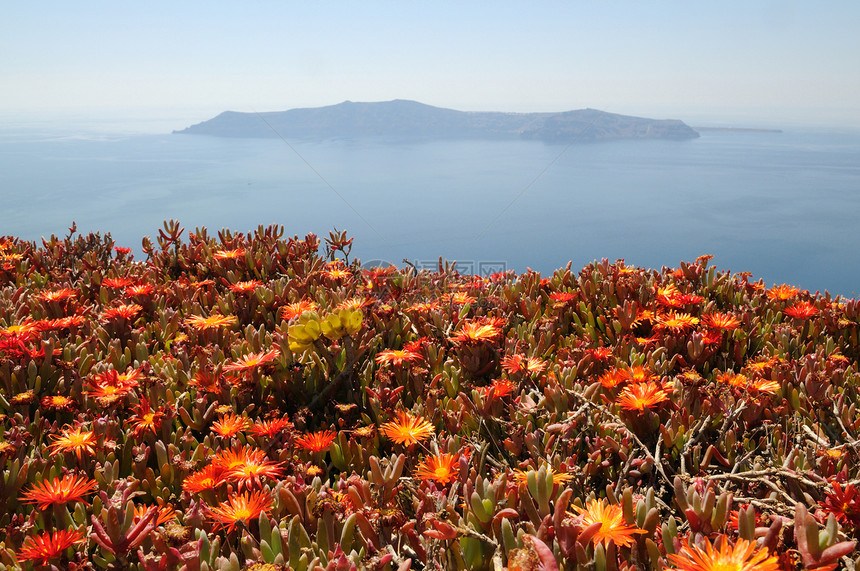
column 784, row 206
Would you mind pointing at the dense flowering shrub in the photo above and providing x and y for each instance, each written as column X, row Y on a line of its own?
column 246, row 401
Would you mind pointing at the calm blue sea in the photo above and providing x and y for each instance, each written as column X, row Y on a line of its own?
column 784, row 206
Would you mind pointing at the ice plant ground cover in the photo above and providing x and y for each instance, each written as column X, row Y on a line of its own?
column 249, row 401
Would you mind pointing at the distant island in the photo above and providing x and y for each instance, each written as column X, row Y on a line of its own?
column 402, row 119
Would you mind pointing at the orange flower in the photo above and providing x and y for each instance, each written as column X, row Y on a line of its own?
column 117, row 283
column 145, row 419
column 844, row 504
column 110, row 385
column 231, row 425
column 245, row 287
column 613, row 377
column 126, row 311
column 71, row 488
column 252, row 361
column 316, row 441
column 763, row 386
column 611, row 519
column 246, row 465
column 75, row 440
column 397, row 357
column 637, row 374
column 640, row 396
column 501, row 388
column 270, row 428
column 782, row 292
column 58, row 294
column 208, row 478
column 292, row 310
column 801, row 310
column 458, row 298
column 743, row 556
column 476, row 331
column 47, row 546
column 206, row 381
column 165, row 513
column 521, row 364
column 562, row 299
column 355, row 303
column 59, row 402
column 337, row 274
column 670, row 296
column 407, row 429
column 440, row 468
column 733, row 379
column 522, row 476
column 140, row 289
column 233, row 254
column 675, row 321
column 423, row 307
column 214, row 321
column 241, row 508
column 722, row 321
column 600, row 353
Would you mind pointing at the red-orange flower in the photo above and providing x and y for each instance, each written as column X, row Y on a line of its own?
column 562, row 299
column 253, row 360
column 640, row 396
column 763, row 386
column 231, row 425
column 611, row 519
column 233, row 254
column 397, row 357
column 241, row 508
column 316, row 441
column 292, row 310
column 140, row 289
column 675, row 321
column 801, row 310
column 733, row 379
column 407, row 429
column 214, row 321
column 166, row 513
column 126, row 311
column 245, row 287
column 423, row 307
column 270, row 428
column 477, row 331
column 843, row 503
column 743, row 556
column 516, row 363
column 208, row 478
column 782, row 292
column 500, row 388
column 59, row 402
column 42, row 548
column 440, row 467
column 117, row 283
column 613, row 377
column 246, row 465
column 145, row 419
column 61, row 294
column 637, row 374
column 721, row 321
column 71, row 488
column 75, row 440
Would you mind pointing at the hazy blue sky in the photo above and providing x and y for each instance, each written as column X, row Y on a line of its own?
column 769, row 60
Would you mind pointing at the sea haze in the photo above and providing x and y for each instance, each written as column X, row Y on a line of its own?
column 783, row 206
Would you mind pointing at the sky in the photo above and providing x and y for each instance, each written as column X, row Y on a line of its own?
column 761, row 62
